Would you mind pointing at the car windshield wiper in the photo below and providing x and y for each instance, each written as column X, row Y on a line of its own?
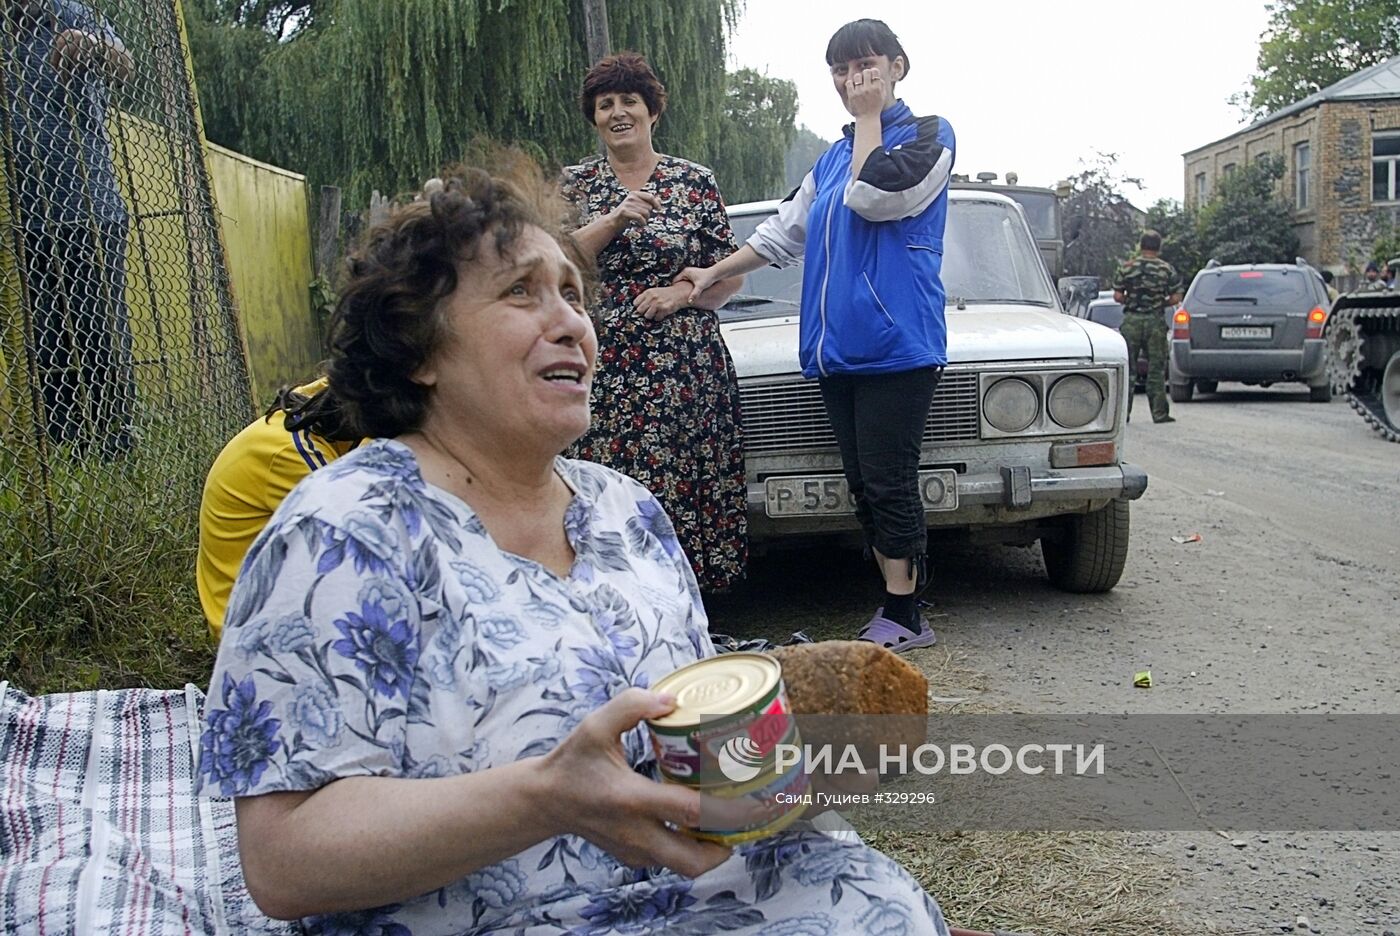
column 1252, row 300
column 743, row 302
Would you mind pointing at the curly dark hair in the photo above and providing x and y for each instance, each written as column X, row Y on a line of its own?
column 320, row 413
column 622, row 73
column 387, row 324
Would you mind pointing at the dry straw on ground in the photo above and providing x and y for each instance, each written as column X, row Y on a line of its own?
column 1037, row 883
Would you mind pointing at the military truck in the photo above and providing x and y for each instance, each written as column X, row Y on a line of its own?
column 1041, row 206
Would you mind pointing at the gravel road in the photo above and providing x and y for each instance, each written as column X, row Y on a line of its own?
column 1289, row 603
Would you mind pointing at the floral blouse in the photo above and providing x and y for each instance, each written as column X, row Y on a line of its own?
column 376, row 629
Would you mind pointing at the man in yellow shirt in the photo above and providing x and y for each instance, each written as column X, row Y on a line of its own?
column 301, row 432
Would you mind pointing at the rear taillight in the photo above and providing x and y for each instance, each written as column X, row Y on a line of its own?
column 1181, row 325
column 1316, row 319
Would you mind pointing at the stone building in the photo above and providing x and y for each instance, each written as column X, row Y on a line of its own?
column 1341, row 149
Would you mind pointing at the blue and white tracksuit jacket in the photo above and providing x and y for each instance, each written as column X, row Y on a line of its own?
column 872, row 247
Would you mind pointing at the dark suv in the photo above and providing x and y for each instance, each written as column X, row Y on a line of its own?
column 1255, row 324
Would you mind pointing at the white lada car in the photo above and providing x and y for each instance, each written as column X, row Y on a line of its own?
column 1024, row 441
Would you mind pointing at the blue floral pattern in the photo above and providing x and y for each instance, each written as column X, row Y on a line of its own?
column 377, row 630
column 385, row 651
column 241, row 739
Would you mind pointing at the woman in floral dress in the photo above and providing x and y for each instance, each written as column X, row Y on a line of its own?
column 666, row 400
column 431, row 687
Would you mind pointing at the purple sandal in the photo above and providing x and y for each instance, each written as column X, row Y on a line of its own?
column 894, row 636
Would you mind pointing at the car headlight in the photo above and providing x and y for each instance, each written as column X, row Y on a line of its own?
column 1011, row 404
column 1074, row 401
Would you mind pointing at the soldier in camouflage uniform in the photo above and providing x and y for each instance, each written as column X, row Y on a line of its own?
column 1145, row 285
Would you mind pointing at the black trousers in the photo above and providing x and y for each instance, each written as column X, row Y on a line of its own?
column 76, row 284
column 879, row 424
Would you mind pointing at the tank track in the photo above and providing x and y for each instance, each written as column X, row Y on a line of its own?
column 1369, row 406
column 1363, row 332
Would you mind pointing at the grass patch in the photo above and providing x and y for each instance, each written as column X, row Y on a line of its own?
column 1041, row 883
column 1045, row 883
column 97, row 564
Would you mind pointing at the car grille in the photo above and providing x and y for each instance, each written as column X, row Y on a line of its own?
column 789, row 415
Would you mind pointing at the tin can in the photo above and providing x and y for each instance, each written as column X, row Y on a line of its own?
column 731, row 713
column 745, row 812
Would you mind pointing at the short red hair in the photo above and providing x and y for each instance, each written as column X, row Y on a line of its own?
column 622, row 73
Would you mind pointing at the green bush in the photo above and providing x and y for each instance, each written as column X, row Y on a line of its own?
column 1387, row 245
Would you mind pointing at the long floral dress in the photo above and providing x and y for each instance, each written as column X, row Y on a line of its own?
column 665, row 398
column 377, row 630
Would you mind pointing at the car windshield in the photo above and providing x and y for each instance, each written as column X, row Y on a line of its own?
column 988, row 257
column 1256, row 287
column 767, row 290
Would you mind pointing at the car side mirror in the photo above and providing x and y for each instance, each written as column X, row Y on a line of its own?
column 1076, row 292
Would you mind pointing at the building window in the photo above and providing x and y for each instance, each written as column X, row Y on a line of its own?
column 1385, row 177
column 1200, row 188
column 1302, row 170
column 1228, row 170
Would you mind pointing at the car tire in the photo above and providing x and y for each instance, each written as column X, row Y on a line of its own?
column 1206, row 386
column 1321, row 393
column 1180, row 392
column 1087, row 554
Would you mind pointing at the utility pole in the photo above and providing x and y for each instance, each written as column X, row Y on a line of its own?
column 595, row 29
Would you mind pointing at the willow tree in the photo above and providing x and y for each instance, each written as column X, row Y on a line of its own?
column 368, row 94
column 755, row 135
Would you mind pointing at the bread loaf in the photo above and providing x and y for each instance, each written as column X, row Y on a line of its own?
column 836, row 687
column 851, row 677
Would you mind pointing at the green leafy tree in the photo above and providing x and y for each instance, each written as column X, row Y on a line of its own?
column 757, row 131
column 1098, row 221
column 228, row 56
column 281, row 19
column 1181, row 236
column 367, row 94
column 1387, row 246
column 1247, row 221
column 802, row 153
column 1310, row 44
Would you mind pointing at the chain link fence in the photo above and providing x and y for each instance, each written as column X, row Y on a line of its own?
column 121, row 368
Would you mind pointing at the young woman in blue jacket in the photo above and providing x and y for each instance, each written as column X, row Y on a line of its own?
column 867, row 222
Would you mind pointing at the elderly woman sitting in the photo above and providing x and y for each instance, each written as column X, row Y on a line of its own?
column 430, row 689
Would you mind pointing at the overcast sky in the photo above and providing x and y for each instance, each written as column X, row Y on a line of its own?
column 1036, row 87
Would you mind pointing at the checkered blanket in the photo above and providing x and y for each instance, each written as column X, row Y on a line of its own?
column 100, row 828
